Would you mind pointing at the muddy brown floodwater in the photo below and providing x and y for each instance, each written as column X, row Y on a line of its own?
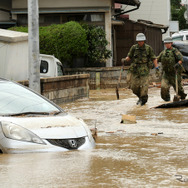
column 148, row 153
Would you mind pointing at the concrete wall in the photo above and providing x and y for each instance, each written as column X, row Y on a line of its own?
column 64, row 89
column 101, row 78
column 69, row 88
column 106, row 77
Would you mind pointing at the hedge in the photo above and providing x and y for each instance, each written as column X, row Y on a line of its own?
column 70, row 40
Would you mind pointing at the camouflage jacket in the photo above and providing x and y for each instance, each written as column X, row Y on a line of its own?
column 142, row 59
column 168, row 58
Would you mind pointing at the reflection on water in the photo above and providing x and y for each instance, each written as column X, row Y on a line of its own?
column 146, row 154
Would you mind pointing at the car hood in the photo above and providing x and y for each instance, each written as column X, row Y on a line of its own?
column 51, row 127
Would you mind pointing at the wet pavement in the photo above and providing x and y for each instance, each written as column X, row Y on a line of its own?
column 148, row 153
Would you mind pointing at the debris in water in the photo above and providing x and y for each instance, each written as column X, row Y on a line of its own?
column 154, row 134
column 176, row 104
column 127, row 119
column 121, row 131
column 110, row 132
column 94, row 133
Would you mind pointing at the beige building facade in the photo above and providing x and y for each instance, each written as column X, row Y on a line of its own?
column 156, row 11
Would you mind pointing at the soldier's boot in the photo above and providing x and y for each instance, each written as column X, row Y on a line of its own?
column 165, row 95
column 142, row 101
column 139, row 101
column 183, row 97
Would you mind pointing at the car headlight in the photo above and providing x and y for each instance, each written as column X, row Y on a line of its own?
column 17, row 132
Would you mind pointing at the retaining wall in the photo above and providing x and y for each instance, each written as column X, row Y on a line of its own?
column 64, row 89
column 105, row 77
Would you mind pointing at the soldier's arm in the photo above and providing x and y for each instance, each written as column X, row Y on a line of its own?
column 129, row 55
column 155, row 63
column 179, row 56
column 153, row 57
column 159, row 57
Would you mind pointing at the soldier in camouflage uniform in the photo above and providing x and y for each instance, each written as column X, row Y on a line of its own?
column 142, row 59
column 171, row 60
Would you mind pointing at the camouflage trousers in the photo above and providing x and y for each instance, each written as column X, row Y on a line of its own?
column 168, row 81
column 139, row 86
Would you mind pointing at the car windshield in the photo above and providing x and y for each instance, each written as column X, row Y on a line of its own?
column 15, row 99
column 177, row 38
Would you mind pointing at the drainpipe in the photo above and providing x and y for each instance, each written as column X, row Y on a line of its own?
column 137, row 7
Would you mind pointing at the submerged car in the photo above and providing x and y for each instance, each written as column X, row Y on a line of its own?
column 31, row 123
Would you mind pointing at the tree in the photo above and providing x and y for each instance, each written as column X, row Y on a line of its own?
column 177, row 13
column 97, row 50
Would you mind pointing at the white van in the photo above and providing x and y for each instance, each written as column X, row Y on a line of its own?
column 180, row 36
column 14, row 60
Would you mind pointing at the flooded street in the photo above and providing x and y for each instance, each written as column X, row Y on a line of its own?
column 148, row 153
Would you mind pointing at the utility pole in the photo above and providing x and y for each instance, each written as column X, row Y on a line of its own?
column 187, row 14
column 33, row 27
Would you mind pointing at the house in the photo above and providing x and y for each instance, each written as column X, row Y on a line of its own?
column 102, row 13
column 155, row 11
column 98, row 12
column 125, row 35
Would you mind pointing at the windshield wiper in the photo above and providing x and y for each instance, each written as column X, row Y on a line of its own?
column 55, row 113
column 27, row 113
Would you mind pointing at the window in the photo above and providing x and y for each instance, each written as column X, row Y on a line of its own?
column 97, row 19
column 177, row 38
column 59, row 69
column 44, row 67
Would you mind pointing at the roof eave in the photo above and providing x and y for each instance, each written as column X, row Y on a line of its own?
column 129, row 2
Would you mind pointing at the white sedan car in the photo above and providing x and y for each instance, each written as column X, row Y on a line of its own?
column 31, row 123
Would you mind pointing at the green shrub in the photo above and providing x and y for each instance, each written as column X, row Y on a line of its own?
column 97, row 51
column 65, row 41
column 20, row 29
column 71, row 40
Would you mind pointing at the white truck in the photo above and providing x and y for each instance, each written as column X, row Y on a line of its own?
column 14, row 62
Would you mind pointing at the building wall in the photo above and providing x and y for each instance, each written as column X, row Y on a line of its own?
column 16, row 4
column 4, row 16
column 157, row 11
column 6, row 5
